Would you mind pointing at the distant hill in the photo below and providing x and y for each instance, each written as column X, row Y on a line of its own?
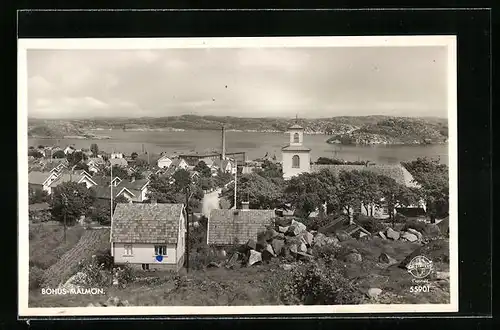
column 349, row 128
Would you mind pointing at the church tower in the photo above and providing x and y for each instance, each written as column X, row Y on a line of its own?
column 295, row 156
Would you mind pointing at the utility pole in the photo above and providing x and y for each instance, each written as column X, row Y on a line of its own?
column 65, row 203
column 235, row 179
column 187, row 228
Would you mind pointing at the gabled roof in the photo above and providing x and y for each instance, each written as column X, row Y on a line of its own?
column 177, row 162
column 227, row 227
column 37, row 177
column 164, row 157
column 296, row 126
column 136, row 185
column 68, row 177
column 397, row 172
column 118, row 162
column 146, row 223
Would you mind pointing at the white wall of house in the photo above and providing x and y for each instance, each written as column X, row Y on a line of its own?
column 305, row 163
column 144, row 193
column 181, row 246
column 127, row 195
column 164, row 162
column 87, row 182
column 143, row 254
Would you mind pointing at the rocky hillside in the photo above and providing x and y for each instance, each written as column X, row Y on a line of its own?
column 347, row 129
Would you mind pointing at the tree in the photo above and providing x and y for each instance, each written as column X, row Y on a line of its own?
column 394, row 194
column 432, row 176
column 161, row 191
column 94, row 148
column 203, row 169
column 260, row 192
column 134, row 155
column 58, row 154
column 71, row 199
column 35, row 153
column 118, row 171
column 270, row 170
column 100, row 213
column 206, row 183
column 223, row 178
column 76, row 157
column 82, row 166
column 38, row 196
column 182, row 179
column 349, row 190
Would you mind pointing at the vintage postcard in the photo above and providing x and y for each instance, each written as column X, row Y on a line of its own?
column 190, row 176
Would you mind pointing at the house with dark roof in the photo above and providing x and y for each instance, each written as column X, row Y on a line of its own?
column 149, row 236
column 41, row 180
column 71, row 177
column 237, row 226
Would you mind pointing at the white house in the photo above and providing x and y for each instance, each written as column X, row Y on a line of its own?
column 69, row 150
column 69, row 177
column 164, row 162
column 41, row 180
column 179, row 163
column 295, row 156
column 116, row 155
column 149, row 236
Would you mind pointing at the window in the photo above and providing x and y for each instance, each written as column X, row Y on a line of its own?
column 128, row 249
column 296, row 161
column 296, row 138
column 160, row 250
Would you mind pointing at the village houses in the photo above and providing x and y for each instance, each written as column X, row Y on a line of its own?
column 149, row 236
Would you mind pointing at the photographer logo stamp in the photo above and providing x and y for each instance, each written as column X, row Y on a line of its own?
column 420, row 267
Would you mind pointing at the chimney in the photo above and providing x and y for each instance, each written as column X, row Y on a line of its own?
column 223, row 153
column 245, row 205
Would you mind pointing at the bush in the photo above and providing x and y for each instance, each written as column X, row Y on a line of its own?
column 202, row 257
column 371, row 224
column 105, row 259
column 124, row 274
column 415, row 224
column 35, row 277
column 318, row 284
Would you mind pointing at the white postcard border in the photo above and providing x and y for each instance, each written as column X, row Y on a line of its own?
column 274, row 42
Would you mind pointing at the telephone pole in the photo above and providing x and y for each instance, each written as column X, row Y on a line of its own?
column 187, row 228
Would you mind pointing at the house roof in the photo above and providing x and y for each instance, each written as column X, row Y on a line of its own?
column 227, row 227
column 397, row 172
column 39, row 207
column 95, row 160
column 37, row 177
column 118, row 162
column 296, row 126
column 153, row 158
column 136, row 185
column 177, row 161
column 164, row 157
column 69, row 177
column 295, row 148
column 146, row 223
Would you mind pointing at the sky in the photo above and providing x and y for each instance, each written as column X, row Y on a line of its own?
column 242, row 82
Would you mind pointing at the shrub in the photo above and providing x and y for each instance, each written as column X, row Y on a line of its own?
column 105, row 259
column 371, row 224
column 318, row 284
column 35, row 277
column 124, row 274
column 202, row 257
column 417, row 225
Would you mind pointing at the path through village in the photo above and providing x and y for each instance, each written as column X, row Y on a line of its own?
column 210, row 202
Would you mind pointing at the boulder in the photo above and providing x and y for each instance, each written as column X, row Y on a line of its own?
column 353, row 257
column 251, row 244
column 301, row 227
column 233, row 260
column 287, row 267
column 302, row 248
column 410, row 237
column 221, row 253
column 293, row 231
column 254, row 257
column 392, row 234
column 260, row 246
column 363, row 235
column 386, row 259
column 342, row 236
column 432, row 230
column 374, row 293
column 213, row 264
column 319, row 240
column 282, row 229
column 277, row 245
column 268, row 253
column 280, row 236
column 304, row 256
column 293, row 248
column 308, row 238
column 399, row 226
column 416, row 233
column 436, row 251
column 382, row 235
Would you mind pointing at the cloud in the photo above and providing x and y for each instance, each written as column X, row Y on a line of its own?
column 317, row 82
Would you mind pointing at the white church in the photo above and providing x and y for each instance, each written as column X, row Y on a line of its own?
column 296, row 158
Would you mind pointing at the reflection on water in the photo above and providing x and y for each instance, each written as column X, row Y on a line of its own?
column 254, row 144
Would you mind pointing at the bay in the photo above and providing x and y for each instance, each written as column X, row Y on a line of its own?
column 255, row 144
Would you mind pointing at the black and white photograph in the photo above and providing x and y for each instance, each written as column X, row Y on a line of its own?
column 237, row 175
